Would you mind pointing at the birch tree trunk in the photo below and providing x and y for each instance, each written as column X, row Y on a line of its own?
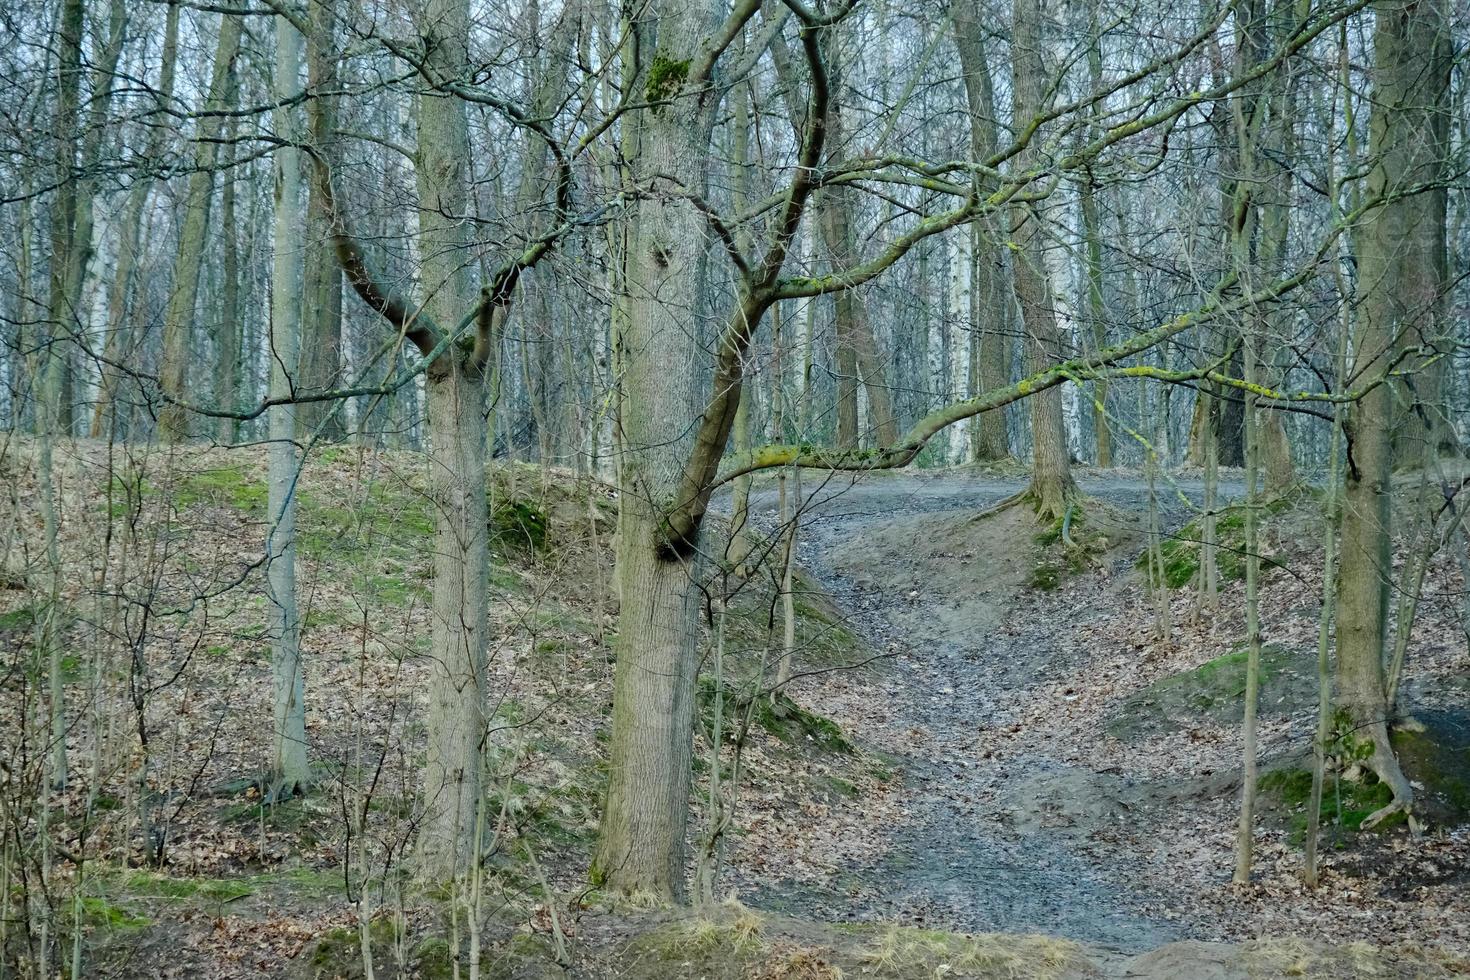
column 178, row 321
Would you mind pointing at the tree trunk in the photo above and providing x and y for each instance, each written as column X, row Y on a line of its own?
column 740, row 539
column 1245, row 833
column 1052, row 488
column 456, row 396
column 53, row 409
column 116, row 346
column 228, row 327
column 53, row 402
column 1102, row 425
column 288, row 768
column 453, row 773
column 1401, row 283
column 990, row 302
column 641, row 844
column 858, row 363
column 77, row 258
column 320, row 365
column 178, row 321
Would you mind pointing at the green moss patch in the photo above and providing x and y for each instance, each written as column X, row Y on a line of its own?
column 753, row 624
column 1215, row 692
column 1067, row 546
column 1181, row 551
column 225, row 486
column 733, row 943
column 518, row 524
column 103, row 914
column 181, row 889
column 1345, row 803
column 21, row 620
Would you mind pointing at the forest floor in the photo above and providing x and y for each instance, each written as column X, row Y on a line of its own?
column 989, row 765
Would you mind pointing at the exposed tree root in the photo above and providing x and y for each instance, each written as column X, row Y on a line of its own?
column 1003, row 505
column 1052, row 500
column 1385, row 765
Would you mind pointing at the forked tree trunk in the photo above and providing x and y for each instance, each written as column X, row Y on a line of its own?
column 178, row 321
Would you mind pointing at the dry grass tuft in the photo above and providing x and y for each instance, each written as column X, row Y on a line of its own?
column 1295, row 957
column 1004, row 957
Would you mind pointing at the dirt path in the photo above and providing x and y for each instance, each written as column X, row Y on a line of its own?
column 1019, row 844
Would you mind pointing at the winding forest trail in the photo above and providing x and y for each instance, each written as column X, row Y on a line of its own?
column 1015, row 844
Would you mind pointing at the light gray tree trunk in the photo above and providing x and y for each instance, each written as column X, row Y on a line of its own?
column 52, row 410
column 228, row 328
column 453, row 774
column 1245, row 834
column 288, row 768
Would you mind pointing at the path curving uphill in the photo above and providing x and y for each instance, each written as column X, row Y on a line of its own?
column 992, row 842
